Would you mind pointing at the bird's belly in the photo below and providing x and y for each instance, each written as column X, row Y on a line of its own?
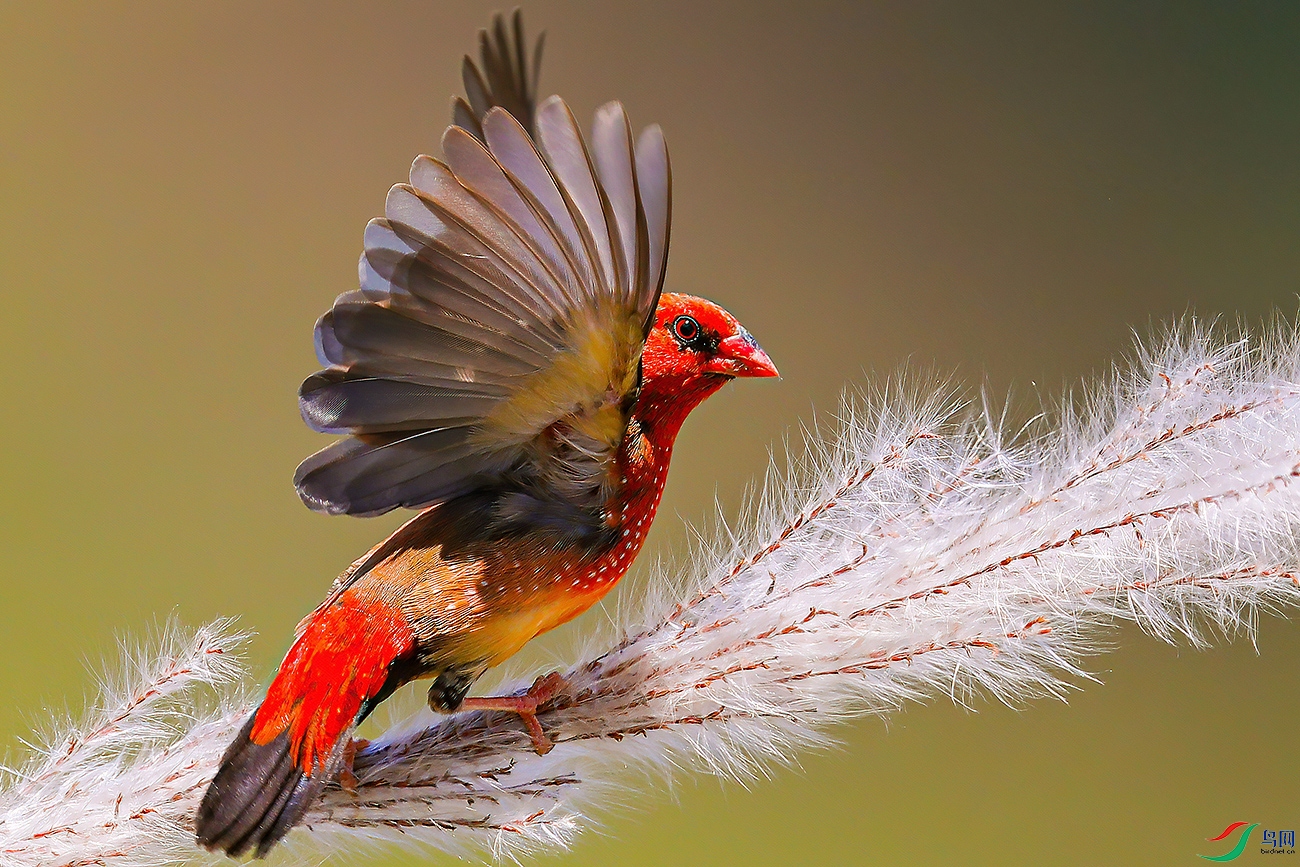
column 506, row 613
column 506, row 631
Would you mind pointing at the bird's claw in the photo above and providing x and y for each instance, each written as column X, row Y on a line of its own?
column 547, row 687
column 347, row 777
column 543, row 690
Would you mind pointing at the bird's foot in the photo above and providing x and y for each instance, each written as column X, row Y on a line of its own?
column 543, row 690
column 347, row 777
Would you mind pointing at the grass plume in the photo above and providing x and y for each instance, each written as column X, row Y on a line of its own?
column 919, row 550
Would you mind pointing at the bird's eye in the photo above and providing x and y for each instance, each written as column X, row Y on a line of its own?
column 686, row 328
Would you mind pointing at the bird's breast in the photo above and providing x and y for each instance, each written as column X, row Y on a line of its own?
column 551, row 590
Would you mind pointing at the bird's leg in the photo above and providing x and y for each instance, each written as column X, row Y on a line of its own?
column 543, row 690
column 347, row 778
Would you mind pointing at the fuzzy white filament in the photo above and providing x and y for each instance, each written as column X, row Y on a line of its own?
column 919, row 553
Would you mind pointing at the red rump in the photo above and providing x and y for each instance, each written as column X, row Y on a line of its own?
column 340, row 660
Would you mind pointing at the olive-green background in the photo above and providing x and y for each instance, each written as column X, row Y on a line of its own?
column 1003, row 190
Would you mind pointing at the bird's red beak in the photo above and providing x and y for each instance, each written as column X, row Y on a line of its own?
column 740, row 355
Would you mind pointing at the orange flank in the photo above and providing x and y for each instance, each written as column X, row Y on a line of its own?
column 339, row 659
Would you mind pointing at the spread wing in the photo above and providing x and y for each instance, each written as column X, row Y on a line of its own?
column 494, row 343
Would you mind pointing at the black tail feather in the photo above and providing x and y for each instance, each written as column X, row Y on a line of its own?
column 258, row 795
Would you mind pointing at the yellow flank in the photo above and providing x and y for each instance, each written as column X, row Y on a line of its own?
column 583, row 383
column 508, row 631
column 478, row 608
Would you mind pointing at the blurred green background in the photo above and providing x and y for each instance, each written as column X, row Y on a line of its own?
column 1006, row 190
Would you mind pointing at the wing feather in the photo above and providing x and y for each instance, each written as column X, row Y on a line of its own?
column 362, row 331
column 518, row 155
column 478, row 172
column 566, row 154
column 448, row 213
column 493, row 344
column 505, row 80
column 381, row 404
column 615, row 165
column 466, row 260
column 375, row 475
column 476, row 90
column 463, row 116
column 655, row 183
column 398, row 265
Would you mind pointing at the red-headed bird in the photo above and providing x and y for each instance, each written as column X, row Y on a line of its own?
column 509, row 367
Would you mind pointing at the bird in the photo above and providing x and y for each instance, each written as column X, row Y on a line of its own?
column 510, row 367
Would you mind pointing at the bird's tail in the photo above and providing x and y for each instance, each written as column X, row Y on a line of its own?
column 293, row 744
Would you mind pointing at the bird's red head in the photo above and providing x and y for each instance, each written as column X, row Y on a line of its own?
column 693, row 349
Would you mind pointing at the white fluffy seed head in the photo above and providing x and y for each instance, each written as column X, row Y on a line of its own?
column 920, row 550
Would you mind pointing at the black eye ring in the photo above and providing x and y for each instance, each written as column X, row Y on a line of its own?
column 686, row 328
